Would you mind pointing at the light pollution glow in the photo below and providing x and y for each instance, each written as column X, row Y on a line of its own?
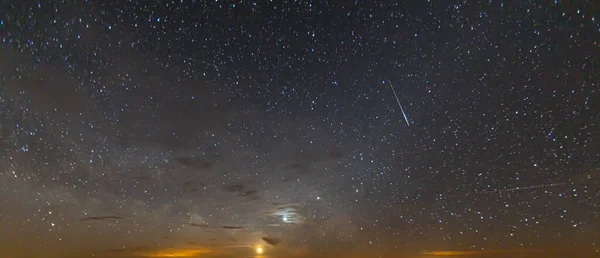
column 477, row 252
column 502, row 251
column 176, row 252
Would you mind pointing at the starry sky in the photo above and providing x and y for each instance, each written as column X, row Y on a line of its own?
column 296, row 129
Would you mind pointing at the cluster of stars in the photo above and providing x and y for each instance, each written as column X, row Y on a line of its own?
column 271, row 128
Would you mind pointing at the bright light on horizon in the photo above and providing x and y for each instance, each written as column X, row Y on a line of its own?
column 259, row 250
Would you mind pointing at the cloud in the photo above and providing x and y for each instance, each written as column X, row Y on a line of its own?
column 271, row 240
column 102, row 218
column 233, row 227
column 176, row 252
column 289, row 213
column 234, row 188
column 250, row 192
column 192, row 186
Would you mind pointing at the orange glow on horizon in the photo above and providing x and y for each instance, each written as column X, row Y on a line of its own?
column 453, row 253
column 477, row 252
column 175, row 252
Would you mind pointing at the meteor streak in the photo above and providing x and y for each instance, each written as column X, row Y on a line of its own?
column 519, row 188
column 397, row 99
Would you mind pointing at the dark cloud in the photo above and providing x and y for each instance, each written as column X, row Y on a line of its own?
column 254, row 198
column 271, row 240
column 251, row 193
column 192, row 186
column 103, row 218
column 291, row 206
column 233, row 188
column 232, row 227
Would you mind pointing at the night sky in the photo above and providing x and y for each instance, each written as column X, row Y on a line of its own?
column 193, row 128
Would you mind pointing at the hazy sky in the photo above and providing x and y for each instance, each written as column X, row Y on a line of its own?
column 218, row 128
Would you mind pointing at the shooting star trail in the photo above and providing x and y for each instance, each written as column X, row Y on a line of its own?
column 397, row 99
column 519, row 188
